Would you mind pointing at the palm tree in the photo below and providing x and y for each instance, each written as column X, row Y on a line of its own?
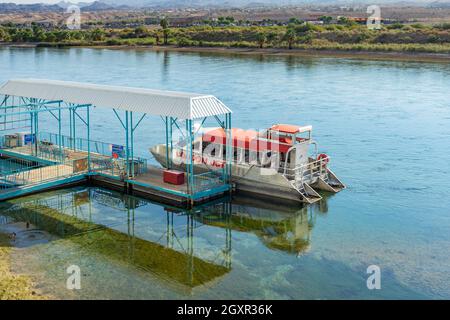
column 272, row 38
column 261, row 38
column 290, row 37
column 165, row 26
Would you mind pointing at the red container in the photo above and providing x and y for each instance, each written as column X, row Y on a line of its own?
column 173, row 177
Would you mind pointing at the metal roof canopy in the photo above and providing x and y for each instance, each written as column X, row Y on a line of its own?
column 179, row 105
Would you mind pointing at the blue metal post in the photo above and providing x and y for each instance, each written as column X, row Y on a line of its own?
column 229, row 146
column 167, row 141
column 60, row 133
column 70, row 129
column 188, row 159
column 132, row 144
column 191, row 167
column 127, row 151
column 36, row 128
column 230, row 127
column 171, row 142
column 74, row 130
column 31, row 126
column 89, row 137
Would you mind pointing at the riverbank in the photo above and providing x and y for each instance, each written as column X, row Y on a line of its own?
column 13, row 286
column 368, row 55
column 346, row 54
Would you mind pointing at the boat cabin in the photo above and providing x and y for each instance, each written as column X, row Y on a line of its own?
column 250, row 144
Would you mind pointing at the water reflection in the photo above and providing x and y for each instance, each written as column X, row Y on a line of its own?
column 183, row 249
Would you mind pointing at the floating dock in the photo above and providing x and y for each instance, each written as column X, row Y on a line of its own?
column 37, row 160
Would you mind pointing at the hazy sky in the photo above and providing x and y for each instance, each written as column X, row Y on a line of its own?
column 41, row 1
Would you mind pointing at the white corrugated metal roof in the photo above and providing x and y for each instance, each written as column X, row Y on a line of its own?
column 154, row 102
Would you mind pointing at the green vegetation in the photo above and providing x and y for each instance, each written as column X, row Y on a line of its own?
column 115, row 245
column 344, row 35
column 13, row 287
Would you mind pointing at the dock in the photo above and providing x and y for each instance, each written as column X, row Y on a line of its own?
column 40, row 160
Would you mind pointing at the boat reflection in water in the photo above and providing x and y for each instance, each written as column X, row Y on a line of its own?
column 186, row 249
column 285, row 228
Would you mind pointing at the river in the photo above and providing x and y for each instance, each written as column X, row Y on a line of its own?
column 385, row 124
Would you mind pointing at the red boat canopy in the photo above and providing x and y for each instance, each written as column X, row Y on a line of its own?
column 247, row 139
column 286, row 128
column 241, row 138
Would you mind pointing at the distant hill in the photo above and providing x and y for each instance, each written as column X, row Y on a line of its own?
column 103, row 5
column 39, row 7
column 59, row 7
column 253, row 3
column 440, row 4
column 98, row 6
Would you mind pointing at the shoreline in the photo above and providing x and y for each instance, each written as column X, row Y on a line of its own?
column 14, row 286
column 314, row 53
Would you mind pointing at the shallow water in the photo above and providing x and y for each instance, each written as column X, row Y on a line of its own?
column 386, row 126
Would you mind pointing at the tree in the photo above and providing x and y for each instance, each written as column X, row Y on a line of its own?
column 165, row 26
column 272, row 37
column 183, row 42
column 261, row 39
column 295, row 21
column 326, row 19
column 166, row 33
column 62, row 35
column 157, row 38
column 290, row 37
column 50, row 37
column 164, row 23
column 346, row 21
column 97, row 34
column 141, row 32
column 304, row 28
column 4, row 35
column 38, row 33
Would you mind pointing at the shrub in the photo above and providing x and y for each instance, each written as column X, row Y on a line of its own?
column 395, row 26
column 183, row 42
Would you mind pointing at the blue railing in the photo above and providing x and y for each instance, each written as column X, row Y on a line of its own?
column 39, row 174
column 206, row 181
column 80, row 144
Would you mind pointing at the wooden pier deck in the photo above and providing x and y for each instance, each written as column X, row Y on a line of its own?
column 38, row 175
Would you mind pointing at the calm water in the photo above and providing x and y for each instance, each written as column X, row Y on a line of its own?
column 386, row 126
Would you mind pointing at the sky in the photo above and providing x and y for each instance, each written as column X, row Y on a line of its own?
column 41, row 1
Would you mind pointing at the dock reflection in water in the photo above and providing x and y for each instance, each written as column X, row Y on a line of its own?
column 128, row 247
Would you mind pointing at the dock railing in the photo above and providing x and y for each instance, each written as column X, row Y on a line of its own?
column 40, row 174
column 118, row 167
column 206, row 181
column 80, row 144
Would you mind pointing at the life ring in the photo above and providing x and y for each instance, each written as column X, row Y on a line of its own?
column 324, row 158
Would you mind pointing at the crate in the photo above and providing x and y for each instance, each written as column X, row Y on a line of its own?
column 173, row 177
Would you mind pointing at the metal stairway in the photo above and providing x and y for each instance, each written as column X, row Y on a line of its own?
column 308, row 194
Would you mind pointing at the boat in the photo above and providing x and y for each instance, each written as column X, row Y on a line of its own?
column 281, row 162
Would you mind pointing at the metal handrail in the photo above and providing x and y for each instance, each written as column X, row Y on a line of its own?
column 307, row 172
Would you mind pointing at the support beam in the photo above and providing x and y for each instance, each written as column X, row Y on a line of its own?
column 88, row 124
column 132, row 144
column 167, row 141
column 127, row 143
column 60, row 135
